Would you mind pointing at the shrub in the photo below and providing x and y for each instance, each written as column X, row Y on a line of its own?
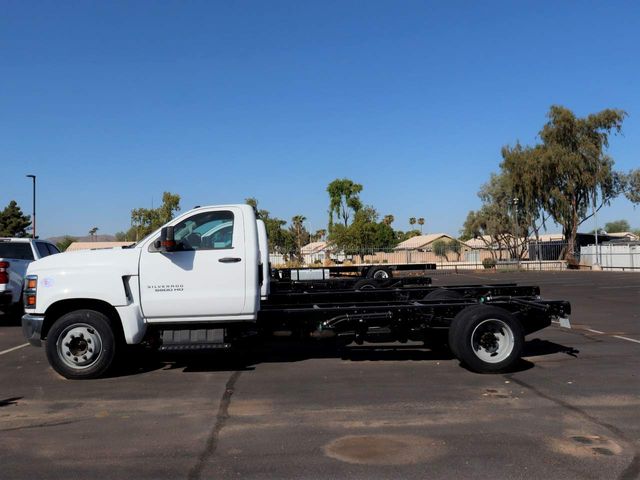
column 489, row 263
column 573, row 264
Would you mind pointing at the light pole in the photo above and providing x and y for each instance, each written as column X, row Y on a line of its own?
column 597, row 263
column 33, row 177
column 515, row 230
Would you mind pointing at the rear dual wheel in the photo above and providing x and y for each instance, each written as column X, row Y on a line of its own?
column 379, row 273
column 486, row 339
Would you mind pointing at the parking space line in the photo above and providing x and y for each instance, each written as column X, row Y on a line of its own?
column 626, row 338
column 14, row 348
column 593, row 330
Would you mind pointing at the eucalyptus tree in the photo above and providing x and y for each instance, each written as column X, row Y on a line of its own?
column 344, row 200
column 578, row 175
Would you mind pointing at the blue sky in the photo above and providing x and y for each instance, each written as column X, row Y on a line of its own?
column 112, row 103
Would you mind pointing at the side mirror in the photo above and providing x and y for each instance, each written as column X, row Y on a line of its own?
column 167, row 242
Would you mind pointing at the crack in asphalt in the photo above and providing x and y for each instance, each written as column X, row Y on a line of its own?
column 632, row 471
column 221, row 420
column 40, row 425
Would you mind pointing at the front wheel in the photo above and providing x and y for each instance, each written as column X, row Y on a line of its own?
column 487, row 339
column 81, row 344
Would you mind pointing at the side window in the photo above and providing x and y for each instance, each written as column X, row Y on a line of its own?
column 43, row 251
column 52, row 249
column 205, row 231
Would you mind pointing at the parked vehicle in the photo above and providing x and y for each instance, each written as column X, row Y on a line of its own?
column 174, row 291
column 15, row 255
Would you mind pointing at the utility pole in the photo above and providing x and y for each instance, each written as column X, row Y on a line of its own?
column 33, row 232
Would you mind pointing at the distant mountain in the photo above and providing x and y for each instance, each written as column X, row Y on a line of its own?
column 86, row 238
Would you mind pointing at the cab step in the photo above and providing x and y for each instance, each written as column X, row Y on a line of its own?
column 193, row 339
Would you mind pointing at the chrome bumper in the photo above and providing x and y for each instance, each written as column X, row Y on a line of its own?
column 32, row 328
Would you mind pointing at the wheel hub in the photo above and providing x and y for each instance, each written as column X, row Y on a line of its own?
column 80, row 346
column 492, row 340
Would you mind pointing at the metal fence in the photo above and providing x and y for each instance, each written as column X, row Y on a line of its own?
column 612, row 256
column 529, row 256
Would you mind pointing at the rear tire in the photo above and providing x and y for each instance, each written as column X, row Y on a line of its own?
column 379, row 273
column 81, row 344
column 486, row 339
column 366, row 284
column 442, row 294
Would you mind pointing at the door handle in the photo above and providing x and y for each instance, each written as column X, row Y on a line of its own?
column 230, row 260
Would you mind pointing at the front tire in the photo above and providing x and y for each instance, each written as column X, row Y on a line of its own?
column 486, row 339
column 81, row 344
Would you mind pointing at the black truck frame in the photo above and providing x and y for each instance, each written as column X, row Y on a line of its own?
column 351, row 277
column 483, row 325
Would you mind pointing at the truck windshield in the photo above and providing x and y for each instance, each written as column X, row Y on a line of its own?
column 16, row 250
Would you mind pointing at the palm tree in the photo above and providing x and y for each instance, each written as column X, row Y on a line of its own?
column 298, row 229
column 319, row 235
column 421, row 223
column 388, row 219
column 412, row 221
column 93, row 232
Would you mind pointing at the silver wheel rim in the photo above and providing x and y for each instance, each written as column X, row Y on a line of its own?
column 380, row 274
column 492, row 340
column 79, row 346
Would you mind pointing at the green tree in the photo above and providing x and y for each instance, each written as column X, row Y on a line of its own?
column 455, row 247
column 632, row 186
column 523, row 177
column 442, row 248
column 388, row 219
column 319, row 235
column 495, row 222
column 412, row 221
column 364, row 234
column 146, row 220
column 579, row 176
column 65, row 242
column 280, row 239
column 617, row 226
column 565, row 178
column 343, row 200
column 402, row 236
column 421, row 223
column 12, row 221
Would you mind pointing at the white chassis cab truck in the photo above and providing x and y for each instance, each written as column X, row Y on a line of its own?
column 203, row 282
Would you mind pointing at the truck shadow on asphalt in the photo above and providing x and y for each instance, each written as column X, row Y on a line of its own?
column 276, row 352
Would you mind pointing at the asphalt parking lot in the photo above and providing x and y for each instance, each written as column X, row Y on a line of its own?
column 570, row 410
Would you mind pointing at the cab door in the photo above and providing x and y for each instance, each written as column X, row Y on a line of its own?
column 204, row 278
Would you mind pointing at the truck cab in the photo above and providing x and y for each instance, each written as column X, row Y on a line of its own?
column 211, row 274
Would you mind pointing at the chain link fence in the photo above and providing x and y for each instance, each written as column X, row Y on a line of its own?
column 532, row 256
